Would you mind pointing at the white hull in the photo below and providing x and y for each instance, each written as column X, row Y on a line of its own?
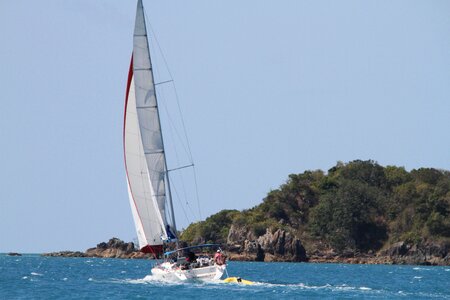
column 172, row 272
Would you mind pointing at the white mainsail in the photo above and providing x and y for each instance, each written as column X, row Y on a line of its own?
column 145, row 160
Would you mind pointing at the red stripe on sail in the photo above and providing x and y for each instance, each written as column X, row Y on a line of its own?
column 130, row 78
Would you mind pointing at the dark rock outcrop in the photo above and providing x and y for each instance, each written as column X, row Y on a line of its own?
column 279, row 245
column 282, row 245
column 65, row 254
column 427, row 253
column 114, row 248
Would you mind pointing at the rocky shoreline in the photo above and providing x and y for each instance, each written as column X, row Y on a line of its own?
column 114, row 248
column 280, row 246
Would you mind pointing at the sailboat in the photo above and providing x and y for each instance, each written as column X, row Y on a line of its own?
column 147, row 173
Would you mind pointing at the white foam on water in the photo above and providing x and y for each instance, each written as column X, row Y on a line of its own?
column 149, row 279
column 90, row 279
column 64, row 279
column 123, row 272
column 421, row 269
column 447, row 270
column 343, row 287
column 329, row 287
column 417, row 277
column 36, row 274
column 274, row 287
column 24, row 277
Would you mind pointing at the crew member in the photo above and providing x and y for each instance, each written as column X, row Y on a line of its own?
column 219, row 258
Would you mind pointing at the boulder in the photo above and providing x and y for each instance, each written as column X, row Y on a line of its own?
column 115, row 248
column 425, row 253
column 279, row 245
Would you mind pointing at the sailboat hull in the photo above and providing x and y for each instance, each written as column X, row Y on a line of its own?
column 171, row 272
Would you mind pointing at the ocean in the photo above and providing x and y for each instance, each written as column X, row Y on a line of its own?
column 36, row 277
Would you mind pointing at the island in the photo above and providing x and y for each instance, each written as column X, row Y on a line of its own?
column 356, row 212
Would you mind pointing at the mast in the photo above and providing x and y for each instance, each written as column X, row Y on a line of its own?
column 174, row 227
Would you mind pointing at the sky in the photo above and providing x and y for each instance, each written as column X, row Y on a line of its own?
column 266, row 89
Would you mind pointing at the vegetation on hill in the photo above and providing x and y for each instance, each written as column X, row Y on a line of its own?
column 359, row 205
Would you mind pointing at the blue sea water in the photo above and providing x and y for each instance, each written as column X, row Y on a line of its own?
column 36, row 277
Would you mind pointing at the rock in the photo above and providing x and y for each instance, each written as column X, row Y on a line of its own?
column 234, row 248
column 283, row 245
column 348, row 253
column 397, row 249
column 425, row 253
column 114, row 248
column 279, row 245
column 102, row 245
column 300, row 252
column 259, row 254
column 65, row 254
column 238, row 234
column 14, row 254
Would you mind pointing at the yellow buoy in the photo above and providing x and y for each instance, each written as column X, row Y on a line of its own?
column 237, row 280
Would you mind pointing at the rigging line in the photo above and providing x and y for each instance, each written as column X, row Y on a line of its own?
column 180, row 179
column 189, row 152
column 181, row 205
column 163, row 82
column 179, row 110
column 172, row 128
column 175, row 90
column 173, row 84
column 179, row 168
column 196, row 192
column 161, row 95
column 167, row 182
column 188, row 206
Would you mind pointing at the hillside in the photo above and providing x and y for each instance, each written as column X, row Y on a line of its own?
column 356, row 212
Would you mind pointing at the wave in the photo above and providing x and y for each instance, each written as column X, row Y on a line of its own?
column 150, row 279
column 421, row 269
column 336, row 289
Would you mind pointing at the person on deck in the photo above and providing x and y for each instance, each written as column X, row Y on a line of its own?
column 191, row 257
column 219, row 258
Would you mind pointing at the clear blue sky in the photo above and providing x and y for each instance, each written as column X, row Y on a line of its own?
column 267, row 88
